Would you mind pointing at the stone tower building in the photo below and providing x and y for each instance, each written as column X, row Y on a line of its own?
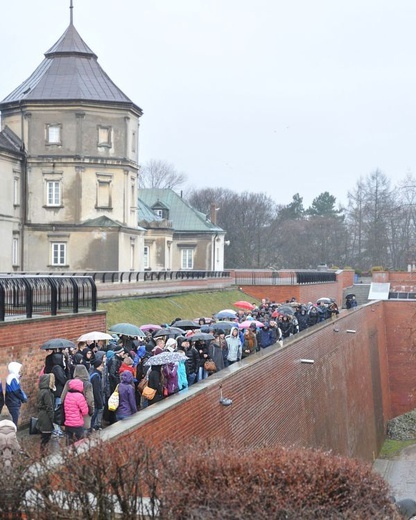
column 69, row 167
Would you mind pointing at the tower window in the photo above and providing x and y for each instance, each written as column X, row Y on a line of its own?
column 104, row 136
column 53, row 134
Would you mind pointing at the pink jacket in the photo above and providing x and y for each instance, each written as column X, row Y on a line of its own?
column 75, row 404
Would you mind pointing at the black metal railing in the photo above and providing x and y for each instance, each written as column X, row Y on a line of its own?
column 135, row 276
column 264, row 277
column 27, row 296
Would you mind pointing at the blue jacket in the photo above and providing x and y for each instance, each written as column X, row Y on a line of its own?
column 14, row 394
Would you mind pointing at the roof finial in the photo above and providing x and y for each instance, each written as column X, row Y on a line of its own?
column 71, row 16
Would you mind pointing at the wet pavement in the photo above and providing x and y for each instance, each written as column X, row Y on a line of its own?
column 400, row 472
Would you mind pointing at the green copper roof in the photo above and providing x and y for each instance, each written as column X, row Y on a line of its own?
column 182, row 215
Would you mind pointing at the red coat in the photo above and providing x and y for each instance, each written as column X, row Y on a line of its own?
column 75, row 404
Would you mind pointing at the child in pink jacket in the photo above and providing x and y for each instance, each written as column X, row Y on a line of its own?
column 75, row 408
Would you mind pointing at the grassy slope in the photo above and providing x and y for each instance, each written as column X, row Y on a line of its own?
column 159, row 310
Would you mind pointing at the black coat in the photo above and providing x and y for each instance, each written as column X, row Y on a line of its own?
column 155, row 382
column 192, row 361
column 1, row 397
column 45, row 404
column 59, row 372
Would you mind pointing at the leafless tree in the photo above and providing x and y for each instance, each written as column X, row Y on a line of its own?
column 160, row 174
column 248, row 219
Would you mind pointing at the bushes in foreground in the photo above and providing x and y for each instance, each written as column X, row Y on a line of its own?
column 201, row 480
column 216, row 482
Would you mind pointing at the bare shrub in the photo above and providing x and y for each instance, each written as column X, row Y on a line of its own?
column 95, row 481
column 213, row 481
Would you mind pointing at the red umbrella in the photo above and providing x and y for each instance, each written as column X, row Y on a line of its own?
column 242, row 304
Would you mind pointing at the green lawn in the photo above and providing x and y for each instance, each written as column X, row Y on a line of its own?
column 190, row 305
column 392, row 448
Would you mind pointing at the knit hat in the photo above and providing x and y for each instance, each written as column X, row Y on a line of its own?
column 98, row 362
column 119, row 349
column 157, row 350
column 99, row 355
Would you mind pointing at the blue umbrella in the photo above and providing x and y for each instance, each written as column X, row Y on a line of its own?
column 225, row 314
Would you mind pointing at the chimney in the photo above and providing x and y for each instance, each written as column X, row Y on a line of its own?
column 213, row 213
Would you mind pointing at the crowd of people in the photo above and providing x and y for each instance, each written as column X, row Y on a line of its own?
column 76, row 384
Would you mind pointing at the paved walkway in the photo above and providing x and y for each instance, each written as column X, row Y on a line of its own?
column 400, row 472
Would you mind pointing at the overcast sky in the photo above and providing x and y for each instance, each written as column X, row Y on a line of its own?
column 253, row 95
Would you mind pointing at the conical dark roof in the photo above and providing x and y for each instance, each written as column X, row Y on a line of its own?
column 70, row 71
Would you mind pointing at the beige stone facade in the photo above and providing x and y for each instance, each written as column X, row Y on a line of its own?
column 69, row 178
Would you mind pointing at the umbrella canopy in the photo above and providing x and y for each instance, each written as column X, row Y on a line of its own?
column 327, row 301
column 150, row 326
column 171, row 332
column 286, row 310
column 127, row 329
column 166, row 357
column 226, row 326
column 246, row 324
column 242, row 304
column 207, row 320
column 57, row 343
column 186, row 325
column 95, row 336
column 200, row 336
column 225, row 314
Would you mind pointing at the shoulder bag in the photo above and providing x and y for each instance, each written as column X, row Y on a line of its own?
column 210, row 366
column 148, row 393
column 114, row 400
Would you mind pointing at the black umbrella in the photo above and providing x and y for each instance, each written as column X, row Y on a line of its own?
column 226, row 326
column 286, row 310
column 201, row 336
column 171, row 332
column 57, row 343
column 186, row 325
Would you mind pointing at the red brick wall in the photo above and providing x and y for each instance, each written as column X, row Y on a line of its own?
column 341, row 402
column 400, row 320
column 302, row 293
column 20, row 341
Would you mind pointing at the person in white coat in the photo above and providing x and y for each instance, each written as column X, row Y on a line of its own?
column 234, row 346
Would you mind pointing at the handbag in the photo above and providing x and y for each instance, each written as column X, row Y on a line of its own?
column 210, row 366
column 33, row 426
column 148, row 393
column 114, row 400
column 59, row 415
column 141, row 385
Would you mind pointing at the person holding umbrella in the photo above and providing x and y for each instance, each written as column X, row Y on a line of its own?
column 155, row 382
column 192, row 359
